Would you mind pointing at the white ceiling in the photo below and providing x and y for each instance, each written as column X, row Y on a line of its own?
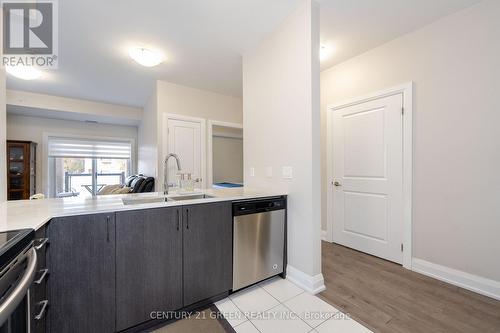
column 351, row 27
column 203, row 40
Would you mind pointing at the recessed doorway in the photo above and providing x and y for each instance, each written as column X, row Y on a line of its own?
column 369, row 167
column 225, row 154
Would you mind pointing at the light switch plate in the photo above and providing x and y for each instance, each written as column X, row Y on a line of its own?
column 252, row 172
column 287, row 172
column 269, row 172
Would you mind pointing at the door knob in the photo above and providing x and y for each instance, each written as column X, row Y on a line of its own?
column 337, row 183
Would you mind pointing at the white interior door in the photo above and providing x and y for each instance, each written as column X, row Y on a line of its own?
column 368, row 177
column 185, row 138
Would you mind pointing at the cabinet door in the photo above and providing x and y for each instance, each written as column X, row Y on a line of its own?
column 81, row 260
column 148, row 264
column 207, row 251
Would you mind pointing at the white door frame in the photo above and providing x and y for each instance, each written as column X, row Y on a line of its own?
column 210, row 127
column 407, row 91
column 164, row 149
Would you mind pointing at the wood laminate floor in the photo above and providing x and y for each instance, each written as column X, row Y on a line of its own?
column 385, row 297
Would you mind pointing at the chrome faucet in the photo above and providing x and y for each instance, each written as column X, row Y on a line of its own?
column 166, row 185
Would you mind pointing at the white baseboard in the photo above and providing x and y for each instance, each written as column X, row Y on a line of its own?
column 480, row 285
column 312, row 284
column 323, row 235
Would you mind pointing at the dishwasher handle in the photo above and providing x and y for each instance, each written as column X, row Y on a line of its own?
column 258, row 206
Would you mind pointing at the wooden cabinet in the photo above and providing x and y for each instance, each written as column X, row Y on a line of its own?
column 21, row 169
column 81, row 259
column 148, row 264
column 109, row 274
column 207, row 251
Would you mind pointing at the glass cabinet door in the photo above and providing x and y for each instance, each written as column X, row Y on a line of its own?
column 16, row 168
column 16, row 153
column 16, row 183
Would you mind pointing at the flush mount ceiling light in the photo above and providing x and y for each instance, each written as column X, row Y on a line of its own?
column 146, row 57
column 24, row 72
column 324, row 52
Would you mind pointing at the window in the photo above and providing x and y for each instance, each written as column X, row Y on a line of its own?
column 82, row 167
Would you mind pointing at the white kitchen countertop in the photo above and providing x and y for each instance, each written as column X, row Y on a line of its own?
column 35, row 213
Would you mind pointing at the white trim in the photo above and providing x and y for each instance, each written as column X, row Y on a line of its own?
column 407, row 91
column 225, row 124
column 312, row 284
column 45, row 159
column 329, row 175
column 478, row 284
column 210, row 124
column 324, row 235
column 228, row 136
column 164, row 148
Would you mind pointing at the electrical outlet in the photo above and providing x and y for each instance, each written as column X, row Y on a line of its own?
column 252, row 172
column 287, row 172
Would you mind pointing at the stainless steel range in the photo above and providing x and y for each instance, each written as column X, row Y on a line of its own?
column 17, row 270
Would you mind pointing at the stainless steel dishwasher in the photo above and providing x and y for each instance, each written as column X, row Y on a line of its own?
column 258, row 240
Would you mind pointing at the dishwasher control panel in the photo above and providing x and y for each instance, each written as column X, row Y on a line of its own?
column 258, row 206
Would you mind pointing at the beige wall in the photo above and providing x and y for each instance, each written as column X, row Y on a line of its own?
column 33, row 128
column 148, row 139
column 177, row 99
column 182, row 100
column 281, row 128
column 28, row 103
column 455, row 64
column 227, row 159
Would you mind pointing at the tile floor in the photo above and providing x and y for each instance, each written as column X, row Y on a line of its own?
column 278, row 305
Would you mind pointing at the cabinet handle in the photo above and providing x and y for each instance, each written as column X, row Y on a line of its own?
column 107, row 228
column 178, row 223
column 187, row 218
column 40, row 245
column 42, row 310
column 40, row 279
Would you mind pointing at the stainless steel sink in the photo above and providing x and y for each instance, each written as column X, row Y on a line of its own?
column 189, row 197
column 141, row 201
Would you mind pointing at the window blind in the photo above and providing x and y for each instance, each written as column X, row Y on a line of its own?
column 88, row 148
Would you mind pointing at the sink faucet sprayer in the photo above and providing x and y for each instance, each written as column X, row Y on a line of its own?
column 166, row 185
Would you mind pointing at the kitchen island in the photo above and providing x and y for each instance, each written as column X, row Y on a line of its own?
column 34, row 214
column 116, row 263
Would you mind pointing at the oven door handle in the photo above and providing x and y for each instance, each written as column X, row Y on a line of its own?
column 14, row 299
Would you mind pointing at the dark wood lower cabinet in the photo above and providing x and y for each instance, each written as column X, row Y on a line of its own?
column 148, row 264
column 81, row 260
column 109, row 275
column 207, row 250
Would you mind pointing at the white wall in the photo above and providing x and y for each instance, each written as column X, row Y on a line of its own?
column 455, row 64
column 281, row 121
column 33, row 128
